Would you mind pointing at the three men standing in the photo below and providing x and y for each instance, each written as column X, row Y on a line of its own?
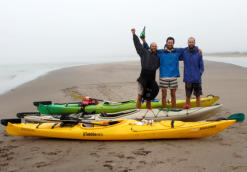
column 169, row 69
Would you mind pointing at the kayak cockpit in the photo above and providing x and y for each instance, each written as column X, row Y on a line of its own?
column 100, row 124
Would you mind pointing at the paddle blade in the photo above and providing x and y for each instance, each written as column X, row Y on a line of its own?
column 12, row 120
column 239, row 117
column 42, row 102
column 78, row 96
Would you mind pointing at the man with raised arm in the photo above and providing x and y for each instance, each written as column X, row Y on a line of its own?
column 149, row 63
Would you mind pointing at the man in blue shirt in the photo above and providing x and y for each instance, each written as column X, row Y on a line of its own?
column 169, row 69
column 193, row 70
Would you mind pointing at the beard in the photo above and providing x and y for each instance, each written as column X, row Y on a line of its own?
column 191, row 47
column 169, row 47
column 153, row 51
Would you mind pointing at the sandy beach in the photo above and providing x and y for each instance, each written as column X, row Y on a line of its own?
column 226, row 151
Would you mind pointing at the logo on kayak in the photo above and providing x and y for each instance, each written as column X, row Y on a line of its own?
column 204, row 128
column 92, row 134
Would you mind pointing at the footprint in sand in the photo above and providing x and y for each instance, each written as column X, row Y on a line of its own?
column 119, row 155
column 141, row 152
column 126, row 169
column 101, row 147
column 34, row 149
column 154, row 163
column 41, row 164
column 109, row 164
column 187, row 152
column 71, row 90
column 130, row 157
column 182, row 160
column 225, row 144
column 169, row 159
column 239, row 168
column 217, row 138
column 235, row 155
column 143, row 162
column 5, row 135
column 52, row 153
column 6, row 154
column 3, row 164
column 94, row 154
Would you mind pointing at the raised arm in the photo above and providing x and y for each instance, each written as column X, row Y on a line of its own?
column 145, row 44
column 139, row 48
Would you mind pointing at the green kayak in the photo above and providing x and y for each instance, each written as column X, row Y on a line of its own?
column 48, row 107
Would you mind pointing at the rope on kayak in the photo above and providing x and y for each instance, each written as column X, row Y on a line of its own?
column 147, row 112
column 38, row 125
column 145, row 115
column 53, row 126
column 187, row 113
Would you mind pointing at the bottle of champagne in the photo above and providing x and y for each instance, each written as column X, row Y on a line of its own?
column 143, row 33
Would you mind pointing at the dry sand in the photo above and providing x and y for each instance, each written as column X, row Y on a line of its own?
column 226, row 151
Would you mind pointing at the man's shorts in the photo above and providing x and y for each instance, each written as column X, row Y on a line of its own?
column 140, row 89
column 196, row 88
column 169, row 83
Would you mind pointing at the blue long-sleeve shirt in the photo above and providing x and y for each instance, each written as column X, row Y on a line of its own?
column 169, row 62
column 193, row 66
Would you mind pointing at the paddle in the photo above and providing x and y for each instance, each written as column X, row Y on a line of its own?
column 74, row 121
column 85, row 97
column 23, row 114
column 239, row 117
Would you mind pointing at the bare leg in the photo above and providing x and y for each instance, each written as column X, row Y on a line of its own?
column 148, row 105
column 173, row 98
column 164, row 93
column 188, row 100
column 198, row 101
column 139, row 101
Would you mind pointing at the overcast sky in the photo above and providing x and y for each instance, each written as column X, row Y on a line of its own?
column 33, row 29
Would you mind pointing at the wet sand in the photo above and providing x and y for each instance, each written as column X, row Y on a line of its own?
column 226, row 151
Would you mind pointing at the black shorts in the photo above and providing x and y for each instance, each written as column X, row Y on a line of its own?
column 196, row 88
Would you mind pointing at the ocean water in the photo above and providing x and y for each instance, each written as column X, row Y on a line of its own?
column 15, row 73
column 239, row 61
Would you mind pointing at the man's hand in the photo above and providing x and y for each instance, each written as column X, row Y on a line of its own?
column 143, row 40
column 133, row 31
column 199, row 50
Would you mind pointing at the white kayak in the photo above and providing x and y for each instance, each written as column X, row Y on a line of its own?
column 192, row 114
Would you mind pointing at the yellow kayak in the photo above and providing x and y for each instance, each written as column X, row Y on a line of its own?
column 120, row 129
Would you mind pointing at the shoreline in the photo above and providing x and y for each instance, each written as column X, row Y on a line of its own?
column 48, row 71
column 226, row 151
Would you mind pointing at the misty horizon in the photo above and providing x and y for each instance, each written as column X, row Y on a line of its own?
column 32, row 30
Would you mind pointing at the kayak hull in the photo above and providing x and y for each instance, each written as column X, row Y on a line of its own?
column 55, row 109
column 193, row 114
column 122, row 130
